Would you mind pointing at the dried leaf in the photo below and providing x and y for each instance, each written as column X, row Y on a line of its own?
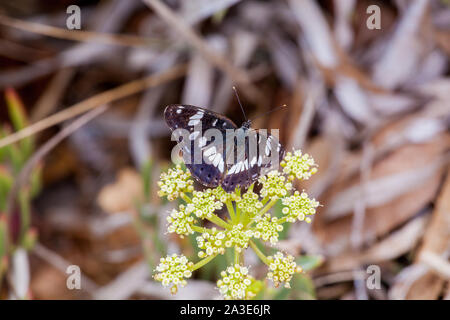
column 122, row 194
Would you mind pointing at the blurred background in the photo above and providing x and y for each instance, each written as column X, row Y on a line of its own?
column 83, row 140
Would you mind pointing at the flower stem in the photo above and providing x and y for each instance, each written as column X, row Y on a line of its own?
column 221, row 223
column 267, row 207
column 263, row 211
column 201, row 229
column 238, row 211
column 202, row 262
column 259, row 253
column 282, row 220
column 236, row 256
column 230, row 209
column 186, row 198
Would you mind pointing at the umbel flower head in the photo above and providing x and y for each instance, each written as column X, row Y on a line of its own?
column 249, row 218
column 298, row 207
column 298, row 166
column 267, row 228
column 274, row 185
column 174, row 270
column 180, row 222
column 174, row 183
column 203, row 204
column 281, row 269
column 249, row 203
column 234, row 283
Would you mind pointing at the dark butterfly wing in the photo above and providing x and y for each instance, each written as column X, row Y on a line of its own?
column 250, row 165
column 187, row 117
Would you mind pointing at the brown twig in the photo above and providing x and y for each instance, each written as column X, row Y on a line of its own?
column 95, row 101
column 61, row 264
column 44, row 150
column 79, row 35
column 238, row 76
column 53, row 94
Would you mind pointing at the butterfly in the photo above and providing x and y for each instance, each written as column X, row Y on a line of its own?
column 227, row 160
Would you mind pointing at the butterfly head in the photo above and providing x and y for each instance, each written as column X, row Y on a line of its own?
column 247, row 124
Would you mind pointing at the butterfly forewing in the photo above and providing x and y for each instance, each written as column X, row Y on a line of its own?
column 209, row 166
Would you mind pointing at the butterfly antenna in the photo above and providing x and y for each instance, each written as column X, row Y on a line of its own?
column 270, row 111
column 239, row 100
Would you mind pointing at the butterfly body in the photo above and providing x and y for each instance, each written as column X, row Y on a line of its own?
column 226, row 157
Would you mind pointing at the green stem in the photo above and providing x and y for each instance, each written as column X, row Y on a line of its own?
column 201, row 263
column 201, row 229
column 238, row 211
column 263, row 211
column 259, row 253
column 25, row 213
column 236, row 256
column 267, row 207
column 282, row 220
column 230, row 209
column 186, row 198
column 143, row 235
column 221, row 223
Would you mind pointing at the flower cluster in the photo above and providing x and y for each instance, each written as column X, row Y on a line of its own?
column 298, row 207
column 274, row 185
column 203, row 204
column 234, row 283
column 174, row 270
column 249, row 221
column 211, row 243
column 298, row 165
column 249, row 203
column 267, row 228
column 282, row 269
column 224, row 196
column 217, row 241
column 238, row 237
column 174, row 183
column 180, row 222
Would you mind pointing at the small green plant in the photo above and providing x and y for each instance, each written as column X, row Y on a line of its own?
column 15, row 208
column 249, row 223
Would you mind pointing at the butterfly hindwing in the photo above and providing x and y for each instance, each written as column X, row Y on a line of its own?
column 253, row 163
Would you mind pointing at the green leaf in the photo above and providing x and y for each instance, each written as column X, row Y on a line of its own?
column 3, row 236
column 6, row 181
column 35, row 180
column 303, row 287
column 309, row 262
column 16, row 158
column 25, row 211
column 19, row 119
column 282, row 293
column 11, row 153
column 257, row 287
column 15, row 109
column 4, row 131
column 277, row 209
column 29, row 239
column 146, row 174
